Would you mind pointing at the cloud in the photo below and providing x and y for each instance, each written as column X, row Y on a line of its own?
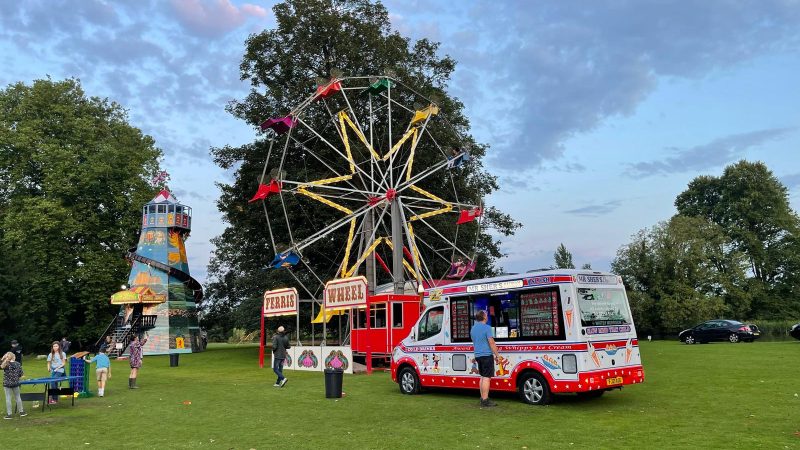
column 596, row 210
column 211, row 18
column 791, row 181
column 554, row 70
column 713, row 154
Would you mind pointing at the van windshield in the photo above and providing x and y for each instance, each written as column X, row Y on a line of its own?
column 603, row 306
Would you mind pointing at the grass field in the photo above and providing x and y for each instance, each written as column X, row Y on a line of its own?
column 702, row 396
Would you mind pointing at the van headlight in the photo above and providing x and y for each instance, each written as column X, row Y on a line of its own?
column 569, row 363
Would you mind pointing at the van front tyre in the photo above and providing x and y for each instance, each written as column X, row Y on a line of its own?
column 533, row 389
column 408, row 381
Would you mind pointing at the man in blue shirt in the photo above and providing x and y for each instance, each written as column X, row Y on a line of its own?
column 103, row 370
column 485, row 347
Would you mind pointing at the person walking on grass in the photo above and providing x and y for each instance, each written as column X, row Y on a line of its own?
column 280, row 343
column 16, row 349
column 485, row 347
column 56, row 361
column 136, row 359
column 103, row 370
column 12, row 372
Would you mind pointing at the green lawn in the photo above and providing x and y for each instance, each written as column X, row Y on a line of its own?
column 702, row 396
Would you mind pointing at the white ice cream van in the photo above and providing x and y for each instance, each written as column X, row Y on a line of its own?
column 558, row 331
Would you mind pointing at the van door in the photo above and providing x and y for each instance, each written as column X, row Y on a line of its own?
column 430, row 333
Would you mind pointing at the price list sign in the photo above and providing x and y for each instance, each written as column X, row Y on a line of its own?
column 539, row 314
column 460, row 319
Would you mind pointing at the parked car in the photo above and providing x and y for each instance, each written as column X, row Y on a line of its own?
column 795, row 331
column 720, row 330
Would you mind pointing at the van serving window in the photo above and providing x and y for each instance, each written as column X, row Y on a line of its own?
column 530, row 315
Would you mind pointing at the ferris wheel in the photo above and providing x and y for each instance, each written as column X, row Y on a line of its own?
column 369, row 166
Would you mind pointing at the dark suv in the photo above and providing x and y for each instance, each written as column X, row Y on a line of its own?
column 719, row 330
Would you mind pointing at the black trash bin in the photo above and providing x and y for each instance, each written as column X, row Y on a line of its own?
column 333, row 383
column 173, row 359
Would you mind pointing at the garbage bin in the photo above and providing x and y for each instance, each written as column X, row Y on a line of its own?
column 333, row 383
column 173, row 359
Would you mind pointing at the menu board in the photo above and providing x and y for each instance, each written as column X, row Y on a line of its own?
column 459, row 317
column 539, row 314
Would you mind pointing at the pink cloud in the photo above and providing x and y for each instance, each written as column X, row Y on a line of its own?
column 214, row 17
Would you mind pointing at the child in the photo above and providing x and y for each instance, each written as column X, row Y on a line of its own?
column 56, row 361
column 103, row 370
column 12, row 372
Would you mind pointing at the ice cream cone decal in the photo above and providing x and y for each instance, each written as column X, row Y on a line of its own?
column 628, row 351
column 593, row 354
column 568, row 313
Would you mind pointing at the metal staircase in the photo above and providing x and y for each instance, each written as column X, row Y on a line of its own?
column 122, row 332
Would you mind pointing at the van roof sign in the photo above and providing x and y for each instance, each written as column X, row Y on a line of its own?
column 494, row 286
column 597, row 279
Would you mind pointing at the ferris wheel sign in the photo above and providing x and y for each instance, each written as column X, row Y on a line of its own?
column 346, row 293
column 280, row 302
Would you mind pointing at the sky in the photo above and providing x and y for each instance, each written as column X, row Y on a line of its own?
column 597, row 113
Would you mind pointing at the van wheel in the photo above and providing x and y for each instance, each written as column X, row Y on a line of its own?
column 591, row 394
column 734, row 338
column 408, row 381
column 533, row 389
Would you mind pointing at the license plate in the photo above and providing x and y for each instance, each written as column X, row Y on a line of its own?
column 615, row 380
column 756, row 334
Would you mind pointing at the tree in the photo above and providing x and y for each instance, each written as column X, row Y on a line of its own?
column 311, row 38
column 73, row 177
column 563, row 258
column 681, row 274
column 752, row 207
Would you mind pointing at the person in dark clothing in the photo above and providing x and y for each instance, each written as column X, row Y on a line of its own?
column 105, row 346
column 16, row 349
column 65, row 344
column 280, row 343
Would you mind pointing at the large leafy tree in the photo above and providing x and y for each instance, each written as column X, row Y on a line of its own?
column 752, row 207
column 311, row 39
column 732, row 250
column 673, row 273
column 73, row 177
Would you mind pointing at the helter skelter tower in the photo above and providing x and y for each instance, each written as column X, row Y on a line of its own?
column 162, row 297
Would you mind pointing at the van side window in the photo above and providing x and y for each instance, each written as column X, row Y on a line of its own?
column 431, row 324
column 529, row 315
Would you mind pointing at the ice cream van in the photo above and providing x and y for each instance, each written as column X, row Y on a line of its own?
column 557, row 331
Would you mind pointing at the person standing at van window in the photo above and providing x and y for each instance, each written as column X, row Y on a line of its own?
column 485, row 348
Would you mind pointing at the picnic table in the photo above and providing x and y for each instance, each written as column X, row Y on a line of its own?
column 43, row 397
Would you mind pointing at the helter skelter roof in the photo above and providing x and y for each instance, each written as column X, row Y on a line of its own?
column 164, row 197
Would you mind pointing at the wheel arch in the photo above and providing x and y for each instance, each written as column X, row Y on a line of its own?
column 530, row 367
